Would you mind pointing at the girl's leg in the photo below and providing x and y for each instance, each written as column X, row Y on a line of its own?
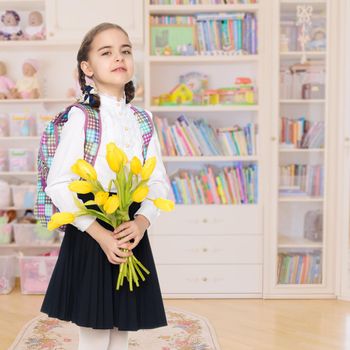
column 93, row 339
column 119, row 340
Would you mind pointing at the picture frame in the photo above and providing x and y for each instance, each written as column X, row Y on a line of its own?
column 173, row 40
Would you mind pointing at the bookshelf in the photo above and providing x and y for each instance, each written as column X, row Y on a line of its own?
column 216, row 249
column 300, row 236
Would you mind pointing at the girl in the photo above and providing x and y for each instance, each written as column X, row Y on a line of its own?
column 83, row 285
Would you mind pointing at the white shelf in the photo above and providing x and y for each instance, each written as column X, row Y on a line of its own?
column 300, row 101
column 301, row 150
column 22, row 5
column 18, row 173
column 21, row 246
column 193, row 9
column 300, row 199
column 204, row 59
column 19, row 138
column 212, row 108
column 38, row 100
column 297, row 242
column 299, row 54
column 209, row 158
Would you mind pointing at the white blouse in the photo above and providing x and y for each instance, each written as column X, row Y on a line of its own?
column 119, row 125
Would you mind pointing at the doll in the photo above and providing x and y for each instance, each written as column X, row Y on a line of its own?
column 35, row 29
column 6, row 84
column 75, row 91
column 28, row 85
column 10, row 29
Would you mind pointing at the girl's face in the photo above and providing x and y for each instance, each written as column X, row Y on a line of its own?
column 110, row 62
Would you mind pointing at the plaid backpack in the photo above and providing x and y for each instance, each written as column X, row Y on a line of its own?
column 44, row 207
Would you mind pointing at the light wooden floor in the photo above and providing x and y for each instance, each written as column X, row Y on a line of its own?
column 240, row 324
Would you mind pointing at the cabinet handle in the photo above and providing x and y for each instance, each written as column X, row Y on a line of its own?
column 204, row 279
column 273, row 138
column 205, row 250
column 205, row 221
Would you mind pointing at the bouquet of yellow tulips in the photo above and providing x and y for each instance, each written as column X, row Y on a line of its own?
column 131, row 185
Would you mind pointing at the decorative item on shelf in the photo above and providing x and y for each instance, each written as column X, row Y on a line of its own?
column 317, row 41
column 22, row 124
column 75, row 92
column 28, row 86
column 6, row 83
column 7, row 273
column 173, row 40
column 139, row 89
column 21, row 159
column 193, row 90
column 313, row 225
column 310, row 91
column 35, row 30
column 11, row 29
column 5, row 198
column 304, row 14
column 3, row 160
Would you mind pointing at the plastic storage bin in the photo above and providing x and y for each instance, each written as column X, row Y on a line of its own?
column 23, row 196
column 7, row 273
column 6, row 233
column 35, row 273
column 33, row 234
column 21, row 159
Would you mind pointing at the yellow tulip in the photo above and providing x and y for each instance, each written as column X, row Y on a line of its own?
column 135, row 166
column 84, row 169
column 101, row 197
column 116, row 158
column 164, row 204
column 111, row 204
column 112, row 147
column 148, row 168
column 59, row 219
column 140, row 194
column 80, row 187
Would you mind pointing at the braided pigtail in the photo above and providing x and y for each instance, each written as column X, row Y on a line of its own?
column 129, row 90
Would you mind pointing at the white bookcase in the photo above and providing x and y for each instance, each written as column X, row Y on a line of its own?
column 209, row 250
column 289, row 249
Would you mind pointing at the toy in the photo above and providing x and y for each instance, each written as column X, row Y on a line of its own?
column 196, row 81
column 181, row 94
column 318, row 40
column 35, row 29
column 28, row 85
column 11, row 29
column 210, row 97
column 6, row 84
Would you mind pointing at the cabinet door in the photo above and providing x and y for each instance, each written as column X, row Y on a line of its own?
column 70, row 20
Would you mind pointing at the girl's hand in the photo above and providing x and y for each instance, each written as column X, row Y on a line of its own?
column 113, row 248
column 133, row 229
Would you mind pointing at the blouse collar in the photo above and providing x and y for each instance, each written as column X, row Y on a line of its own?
column 111, row 102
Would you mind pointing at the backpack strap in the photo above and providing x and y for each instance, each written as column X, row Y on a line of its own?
column 92, row 129
column 146, row 127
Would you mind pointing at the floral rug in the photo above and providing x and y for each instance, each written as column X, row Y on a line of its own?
column 185, row 331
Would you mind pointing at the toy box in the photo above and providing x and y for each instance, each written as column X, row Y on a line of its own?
column 6, row 233
column 23, row 196
column 35, row 273
column 21, row 159
column 33, row 234
column 7, row 273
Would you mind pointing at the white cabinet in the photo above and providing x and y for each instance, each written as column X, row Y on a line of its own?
column 70, row 20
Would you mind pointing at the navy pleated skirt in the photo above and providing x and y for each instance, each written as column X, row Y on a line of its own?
column 82, row 288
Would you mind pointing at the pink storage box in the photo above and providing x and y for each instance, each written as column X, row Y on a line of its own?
column 35, row 273
column 23, row 196
column 7, row 273
column 6, row 233
column 33, row 234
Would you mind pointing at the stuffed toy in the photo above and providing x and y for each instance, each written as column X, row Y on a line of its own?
column 35, row 29
column 10, row 29
column 6, row 84
column 28, row 85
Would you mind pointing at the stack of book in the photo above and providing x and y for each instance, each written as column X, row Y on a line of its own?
column 301, row 179
column 230, row 185
column 301, row 133
column 219, row 33
column 299, row 268
column 187, row 137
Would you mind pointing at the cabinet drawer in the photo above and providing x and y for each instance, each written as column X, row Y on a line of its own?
column 201, row 279
column 218, row 249
column 210, row 219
